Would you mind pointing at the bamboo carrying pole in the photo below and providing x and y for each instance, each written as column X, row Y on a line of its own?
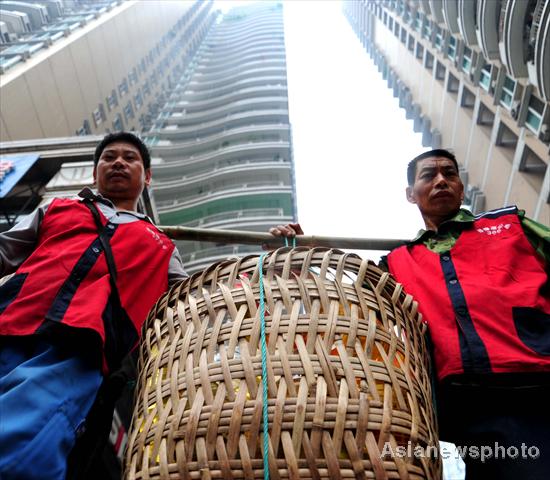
column 260, row 238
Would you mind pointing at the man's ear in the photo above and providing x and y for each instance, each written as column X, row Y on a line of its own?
column 95, row 174
column 147, row 176
column 410, row 195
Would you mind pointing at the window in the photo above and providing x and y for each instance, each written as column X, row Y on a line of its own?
column 143, row 122
column 138, row 100
column 118, row 125
column 485, row 116
column 535, row 110
column 439, row 71
column 505, row 137
column 453, row 83
column 132, row 77
column 428, row 60
column 99, row 115
column 427, row 30
column 403, row 36
column 507, row 93
column 419, row 51
column 123, row 88
column 467, row 60
column 533, row 167
column 396, row 28
column 486, row 78
column 146, row 89
column 451, row 48
column 142, row 66
column 112, row 100
column 468, row 99
column 390, row 23
column 84, row 129
column 418, row 21
column 128, row 112
column 438, row 41
column 410, row 45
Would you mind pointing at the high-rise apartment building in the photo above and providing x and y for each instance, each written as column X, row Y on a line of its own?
column 221, row 139
column 81, row 67
column 474, row 76
column 222, row 143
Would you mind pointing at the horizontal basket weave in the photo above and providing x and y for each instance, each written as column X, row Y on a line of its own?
column 347, row 374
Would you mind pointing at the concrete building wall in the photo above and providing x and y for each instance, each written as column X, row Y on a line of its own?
column 56, row 91
column 487, row 134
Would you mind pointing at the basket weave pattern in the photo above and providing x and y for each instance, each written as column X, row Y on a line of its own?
column 347, row 374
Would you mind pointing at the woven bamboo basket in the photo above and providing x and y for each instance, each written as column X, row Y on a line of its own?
column 347, row 375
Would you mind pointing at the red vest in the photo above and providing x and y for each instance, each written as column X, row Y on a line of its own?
column 65, row 281
column 486, row 301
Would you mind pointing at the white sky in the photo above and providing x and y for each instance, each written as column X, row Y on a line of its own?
column 351, row 141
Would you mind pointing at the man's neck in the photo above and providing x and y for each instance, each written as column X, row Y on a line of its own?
column 433, row 222
column 127, row 205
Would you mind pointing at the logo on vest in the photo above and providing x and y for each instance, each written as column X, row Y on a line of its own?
column 495, row 229
column 156, row 237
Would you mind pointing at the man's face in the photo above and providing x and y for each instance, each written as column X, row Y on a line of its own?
column 437, row 190
column 119, row 174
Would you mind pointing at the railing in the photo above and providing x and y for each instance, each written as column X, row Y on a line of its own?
column 209, row 172
column 237, row 215
column 169, row 205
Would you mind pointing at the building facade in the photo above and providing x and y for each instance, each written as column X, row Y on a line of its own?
column 220, row 135
column 222, row 143
column 81, row 67
column 474, row 76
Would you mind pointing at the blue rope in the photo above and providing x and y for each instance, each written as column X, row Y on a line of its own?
column 264, row 366
column 293, row 242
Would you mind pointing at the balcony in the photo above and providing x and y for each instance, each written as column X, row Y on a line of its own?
column 207, row 178
column 262, row 149
column 217, row 37
column 264, row 81
column 191, row 105
column 267, row 45
column 221, row 74
column 450, row 12
column 538, row 64
column 264, row 47
column 512, row 39
column 488, row 13
column 246, row 118
column 467, row 21
column 237, row 190
column 228, row 46
column 229, row 26
column 436, row 8
column 214, row 68
column 236, row 217
column 239, row 106
column 199, row 85
column 230, row 135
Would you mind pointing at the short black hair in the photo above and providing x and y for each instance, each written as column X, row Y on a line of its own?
column 438, row 152
column 125, row 137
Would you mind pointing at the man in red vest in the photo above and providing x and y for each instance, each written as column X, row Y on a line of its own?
column 86, row 273
column 483, row 288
